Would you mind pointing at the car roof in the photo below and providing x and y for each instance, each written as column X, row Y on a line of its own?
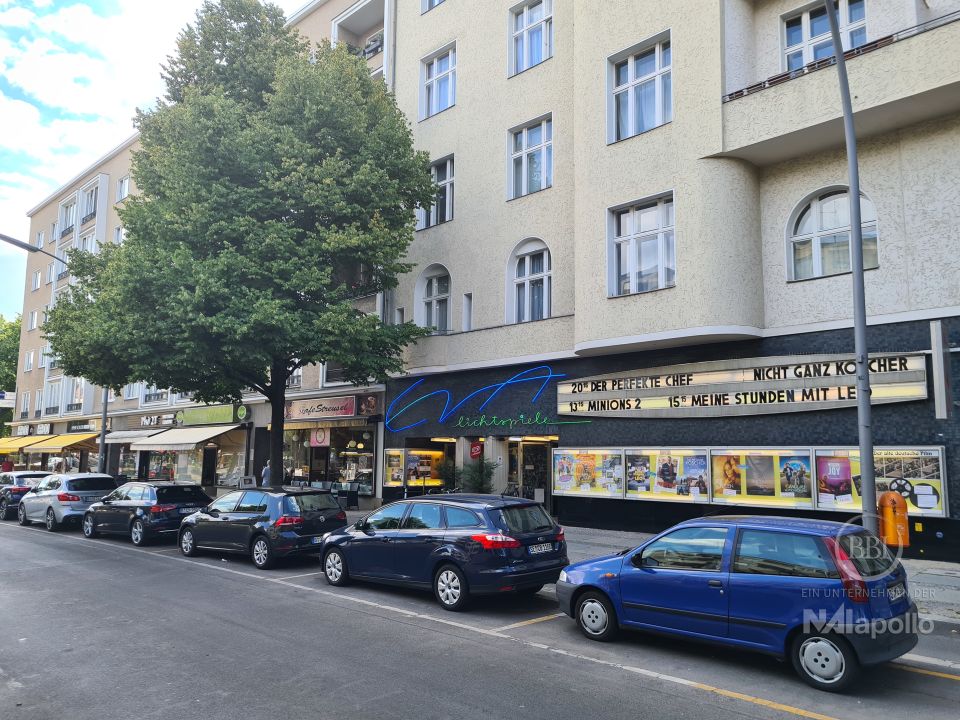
column 31, row 473
column 71, row 476
column 160, row 483
column 475, row 500
column 292, row 490
column 811, row 526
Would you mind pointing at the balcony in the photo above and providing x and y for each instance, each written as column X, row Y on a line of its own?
column 62, row 275
column 87, row 218
column 74, row 407
column 66, row 231
column 24, row 414
column 897, row 81
column 153, row 397
column 52, row 410
column 362, row 30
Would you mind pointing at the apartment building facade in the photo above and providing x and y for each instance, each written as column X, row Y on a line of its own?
column 637, row 266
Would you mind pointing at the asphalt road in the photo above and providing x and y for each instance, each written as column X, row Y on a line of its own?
column 100, row 629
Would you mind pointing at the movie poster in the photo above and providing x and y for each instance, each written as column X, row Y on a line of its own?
column 770, row 478
column 662, row 474
column 593, row 473
column 393, row 468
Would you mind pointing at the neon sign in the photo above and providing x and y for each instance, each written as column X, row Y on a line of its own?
column 538, row 377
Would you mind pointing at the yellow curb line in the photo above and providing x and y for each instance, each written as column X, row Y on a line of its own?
column 524, row 623
column 765, row 703
column 921, row 671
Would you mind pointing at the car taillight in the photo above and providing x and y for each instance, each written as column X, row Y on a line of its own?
column 19, row 489
column 495, row 541
column 852, row 581
column 157, row 509
column 341, row 515
column 560, row 536
column 67, row 497
column 288, row 521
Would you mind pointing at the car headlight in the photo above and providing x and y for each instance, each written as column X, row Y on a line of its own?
column 563, row 576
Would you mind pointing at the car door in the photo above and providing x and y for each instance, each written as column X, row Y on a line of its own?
column 370, row 547
column 774, row 578
column 210, row 522
column 236, row 526
column 678, row 582
column 102, row 510
column 41, row 499
column 31, row 501
column 420, row 535
column 124, row 510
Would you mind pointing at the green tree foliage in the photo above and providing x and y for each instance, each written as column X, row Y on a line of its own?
column 276, row 187
column 9, row 352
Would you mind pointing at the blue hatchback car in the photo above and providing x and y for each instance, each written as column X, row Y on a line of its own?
column 827, row 596
column 458, row 545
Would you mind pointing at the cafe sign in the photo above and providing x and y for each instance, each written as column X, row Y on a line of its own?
column 320, row 408
column 752, row 386
column 75, row 426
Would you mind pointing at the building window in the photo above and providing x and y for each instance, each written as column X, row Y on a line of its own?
column 643, row 255
column 398, row 316
column 68, row 217
column 807, row 38
column 38, row 404
column 88, row 243
column 40, row 236
column 131, row 391
column 439, row 82
column 532, row 28
column 123, row 188
column 295, row 379
column 62, row 260
column 442, row 209
column 528, row 291
column 42, row 357
column 427, row 5
column 73, row 394
column 25, row 404
column 642, row 96
column 819, row 236
column 433, row 299
column 531, row 151
column 119, row 235
column 35, row 285
column 153, row 394
column 28, row 361
column 32, row 320
column 334, row 373
column 51, row 273
column 89, row 205
column 51, row 397
column 467, row 324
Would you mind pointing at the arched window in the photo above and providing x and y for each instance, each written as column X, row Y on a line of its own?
column 528, row 282
column 818, row 242
column 433, row 299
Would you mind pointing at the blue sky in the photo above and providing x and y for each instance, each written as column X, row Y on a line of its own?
column 72, row 73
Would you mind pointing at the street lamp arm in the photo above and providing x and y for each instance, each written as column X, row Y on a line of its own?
column 25, row 246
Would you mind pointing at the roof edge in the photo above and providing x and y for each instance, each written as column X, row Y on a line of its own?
column 304, row 11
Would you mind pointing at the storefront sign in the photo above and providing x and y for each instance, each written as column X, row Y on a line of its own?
column 320, row 408
column 476, row 450
column 211, row 415
column 83, row 426
column 411, row 408
column 23, row 430
column 42, row 429
column 157, row 420
column 743, row 387
column 320, row 437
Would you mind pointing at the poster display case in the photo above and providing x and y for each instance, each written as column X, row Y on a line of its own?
column 769, row 478
column 659, row 474
column 590, row 473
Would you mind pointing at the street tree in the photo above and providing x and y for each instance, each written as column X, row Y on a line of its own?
column 9, row 352
column 277, row 185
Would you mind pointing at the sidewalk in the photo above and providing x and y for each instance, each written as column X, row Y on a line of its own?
column 935, row 586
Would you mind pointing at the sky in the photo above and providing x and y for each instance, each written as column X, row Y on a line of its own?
column 72, row 74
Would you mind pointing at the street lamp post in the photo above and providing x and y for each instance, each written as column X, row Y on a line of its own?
column 102, row 462
column 868, row 488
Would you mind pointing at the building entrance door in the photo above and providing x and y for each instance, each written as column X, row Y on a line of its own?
column 534, row 470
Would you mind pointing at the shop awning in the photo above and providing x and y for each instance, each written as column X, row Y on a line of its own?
column 129, row 436
column 14, row 444
column 182, row 438
column 59, row 443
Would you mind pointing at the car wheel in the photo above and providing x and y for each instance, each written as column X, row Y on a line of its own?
column 138, row 533
column 596, row 616
column 22, row 515
column 335, row 568
column 450, row 588
column 51, row 521
column 825, row 661
column 89, row 529
column 260, row 552
column 188, row 545
column 4, row 509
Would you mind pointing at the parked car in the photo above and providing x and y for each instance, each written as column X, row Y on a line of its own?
column 458, row 545
column 13, row 486
column 827, row 596
column 143, row 510
column 267, row 524
column 62, row 499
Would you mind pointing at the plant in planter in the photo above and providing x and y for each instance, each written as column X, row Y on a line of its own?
column 478, row 475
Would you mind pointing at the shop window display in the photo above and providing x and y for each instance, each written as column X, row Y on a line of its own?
column 322, row 457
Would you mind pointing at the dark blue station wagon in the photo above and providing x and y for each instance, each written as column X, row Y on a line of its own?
column 458, row 545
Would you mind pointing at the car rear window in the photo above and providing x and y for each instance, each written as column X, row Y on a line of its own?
column 523, row 518
column 92, row 483
column 21, row 480
column 311, row 502
column 868, row 553
column 182, row 493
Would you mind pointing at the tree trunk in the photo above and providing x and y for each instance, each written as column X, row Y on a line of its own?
column 277, row 407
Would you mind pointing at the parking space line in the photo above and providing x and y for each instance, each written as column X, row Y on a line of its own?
column 924, row 660
column 800, row 712
column 924, row 671
column 534, row 621
column 291, row 577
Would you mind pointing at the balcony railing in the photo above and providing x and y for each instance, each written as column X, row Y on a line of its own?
column 66, row 231
column 62, row 275
column 374, row 45
column 73, row 407
column 88, row 217
column 24, row 414
column 37, row 413
column 155, row 396
column 52, row 410
column 855, row 52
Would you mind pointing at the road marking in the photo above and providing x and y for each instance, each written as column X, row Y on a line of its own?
column 291, row 577
column 765, row 703
column 923, row 671
column 534, row 621
column 931, row 661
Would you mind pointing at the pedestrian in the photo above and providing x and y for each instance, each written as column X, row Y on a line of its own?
column 265, row 475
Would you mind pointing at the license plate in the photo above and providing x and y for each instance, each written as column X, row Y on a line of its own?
column 896, row 591
column 187, row 511
column 316, row 540
column 542, row 548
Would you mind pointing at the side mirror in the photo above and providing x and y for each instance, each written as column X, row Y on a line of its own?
column 361, row 525
column 212, row 511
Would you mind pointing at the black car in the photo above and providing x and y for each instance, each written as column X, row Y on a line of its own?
column 458, row 545
column 143, row 510
column 267, row 523
column 13, row 486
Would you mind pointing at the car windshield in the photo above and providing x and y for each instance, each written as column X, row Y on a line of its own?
column 182, row 493
column 92, row 483
column 523, row 519
column 868, row 553
column 311, row 502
